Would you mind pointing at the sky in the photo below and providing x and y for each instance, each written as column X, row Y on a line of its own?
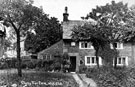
column 76, row 8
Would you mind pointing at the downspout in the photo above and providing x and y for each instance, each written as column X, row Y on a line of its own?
column 133, row 53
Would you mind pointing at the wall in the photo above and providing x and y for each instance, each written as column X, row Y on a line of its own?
column 128, row 50
column 79, row 53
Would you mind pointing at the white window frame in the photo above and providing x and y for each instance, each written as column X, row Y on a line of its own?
column 92, row 64
column 126, row 61
column 73, row 43
column 80, row 45
column 121, row 45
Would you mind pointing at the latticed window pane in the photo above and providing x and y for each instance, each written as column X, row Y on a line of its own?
column 89, row 45
column 124, row 60
column 48, row 57
column 118, row 45
column 82, row 45
column 119, row 61
column 44, row 57
column 115, row 45
column 86, row 45
column 88, row 60
column 93, row 59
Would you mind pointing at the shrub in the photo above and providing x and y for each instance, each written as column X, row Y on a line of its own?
column 46, row 65
column 3, row 65
column 11, row 62
column 104, row 77
column 56, row 66
column 30, row 65
column 23, row 66
column 39, row 64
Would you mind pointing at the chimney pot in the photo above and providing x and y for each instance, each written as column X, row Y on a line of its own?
column 65, row 15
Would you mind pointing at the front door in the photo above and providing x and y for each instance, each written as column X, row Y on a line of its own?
column 73, row 63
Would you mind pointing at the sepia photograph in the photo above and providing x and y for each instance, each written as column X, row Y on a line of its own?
column 67, row 43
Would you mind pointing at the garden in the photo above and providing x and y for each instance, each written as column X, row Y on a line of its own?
column 110, row 77
column 36, row 73
column 37, row 79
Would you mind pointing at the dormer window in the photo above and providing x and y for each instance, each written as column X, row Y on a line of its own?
column 85, row 45
column 117, row 45
column 72, row 43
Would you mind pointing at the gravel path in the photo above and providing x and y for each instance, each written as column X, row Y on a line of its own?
column 90, row 82
column 79, row 81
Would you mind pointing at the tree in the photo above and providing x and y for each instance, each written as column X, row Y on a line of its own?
column 114, row 20
column 21, row 16
column 7, row 43
column 47, row 32
column 112, row 24
column 2, row 38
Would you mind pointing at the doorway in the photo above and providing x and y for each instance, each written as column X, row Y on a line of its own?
column 73, row 63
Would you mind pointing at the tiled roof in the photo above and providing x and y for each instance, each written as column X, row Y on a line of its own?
column 68, row 26
column 54, row 49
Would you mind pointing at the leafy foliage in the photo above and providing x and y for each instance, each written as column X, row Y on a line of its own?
column 22, row 17
column 47, row 32
column 112, row 24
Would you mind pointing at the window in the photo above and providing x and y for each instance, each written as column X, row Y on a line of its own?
column 85, row 45
column 91, row 60
column 45, row 56
column 117, row 45
column 49, row 57
column 72, row 43
column 121, row 61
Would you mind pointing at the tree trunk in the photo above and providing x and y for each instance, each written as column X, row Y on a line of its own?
column 97, row 59
column 18, row 55
column 115, row 59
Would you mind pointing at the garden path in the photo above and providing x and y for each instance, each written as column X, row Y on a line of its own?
column 90, row 82
column 83, row 81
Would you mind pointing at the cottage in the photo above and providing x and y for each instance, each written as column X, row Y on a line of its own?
column 83, row 53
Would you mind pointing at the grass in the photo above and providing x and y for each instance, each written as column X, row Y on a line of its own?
column 38, row 79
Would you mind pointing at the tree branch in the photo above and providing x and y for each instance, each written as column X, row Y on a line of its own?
column 15, row 28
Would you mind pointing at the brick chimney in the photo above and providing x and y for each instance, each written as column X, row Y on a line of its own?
column 65, row 15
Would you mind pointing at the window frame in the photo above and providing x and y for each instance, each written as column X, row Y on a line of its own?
column 80, row 45
column 126, row 61
column 73, row 44
column 92, row 64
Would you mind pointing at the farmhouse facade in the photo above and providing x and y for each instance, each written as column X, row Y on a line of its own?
column 82, row 53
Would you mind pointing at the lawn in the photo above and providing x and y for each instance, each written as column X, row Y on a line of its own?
column 37, row 79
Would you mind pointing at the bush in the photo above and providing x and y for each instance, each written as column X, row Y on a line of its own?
column 46, row 65
column 23, row 66
column 3, row 65
column 30, row 65
column 113, row 77
column 11, row 62
column 39, row 64
column 56, row 66
column 82, row 69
